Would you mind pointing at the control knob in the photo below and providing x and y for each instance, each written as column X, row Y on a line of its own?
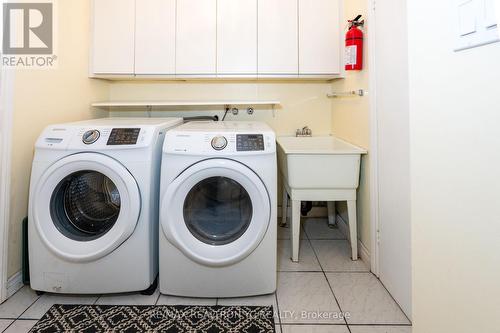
column 219, row 143
column 90, row 137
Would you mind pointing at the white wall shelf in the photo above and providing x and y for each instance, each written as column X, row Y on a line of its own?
column 170, row 104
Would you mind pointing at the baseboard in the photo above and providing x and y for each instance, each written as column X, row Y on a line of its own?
column 363, row 252
column 315, row 212
column 14, row 283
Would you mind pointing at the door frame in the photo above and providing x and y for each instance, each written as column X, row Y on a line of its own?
column 377, row 223
column 6, row 120
column 374, row 184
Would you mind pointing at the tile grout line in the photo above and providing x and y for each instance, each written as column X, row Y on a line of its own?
column 336, row 300
column 8, row 326
column 97, row 299
column 157, row 298
column 14, row 321
column 26, row 286
column 390, row 295
column 336, row 272
column 322, row 324
column 328, row 282
column 409, row 324
column 303, row 229
column 36, row 300
column 278, row 310
column 382, row 325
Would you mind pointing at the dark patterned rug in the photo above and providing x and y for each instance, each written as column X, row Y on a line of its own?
column 169, row 319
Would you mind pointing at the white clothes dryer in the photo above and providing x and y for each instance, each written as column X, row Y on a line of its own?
column 218, row 210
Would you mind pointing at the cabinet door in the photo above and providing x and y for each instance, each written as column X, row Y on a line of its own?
column 196, row 37
column 155, row 37
column 113, row 24
column 278, row 37
column 236, row 37
column 319, row 37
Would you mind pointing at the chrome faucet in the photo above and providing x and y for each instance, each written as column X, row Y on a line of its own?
column 304, row 132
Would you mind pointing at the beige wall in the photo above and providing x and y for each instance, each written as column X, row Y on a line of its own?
column 455, row 154
column 302, row 103
column 351, row 121
column 49, row 96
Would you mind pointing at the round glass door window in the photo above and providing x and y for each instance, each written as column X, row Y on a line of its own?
column 85, row 205
column 218, row 210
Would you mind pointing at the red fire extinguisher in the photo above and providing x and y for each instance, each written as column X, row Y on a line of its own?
column 354, row 45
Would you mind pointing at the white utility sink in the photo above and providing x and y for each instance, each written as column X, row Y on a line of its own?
column 319, row 162
column 321, row 168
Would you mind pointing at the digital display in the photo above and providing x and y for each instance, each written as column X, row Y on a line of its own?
column 123, row 136
column 250, row 142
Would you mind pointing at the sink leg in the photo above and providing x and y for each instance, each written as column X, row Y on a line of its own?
column 295, row 230
column 353, row 226
column 331, row 213
column 284, row 205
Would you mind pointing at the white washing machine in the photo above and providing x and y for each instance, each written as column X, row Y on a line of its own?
column 93, row 211
column 218, row 210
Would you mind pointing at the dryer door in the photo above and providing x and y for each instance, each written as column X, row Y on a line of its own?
column 216, row 212
column 85, row 206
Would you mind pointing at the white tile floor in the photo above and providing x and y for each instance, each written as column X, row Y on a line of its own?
column 311, row 297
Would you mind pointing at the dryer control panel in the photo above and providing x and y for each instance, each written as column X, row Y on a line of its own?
column 239, row 138
column 250, row 142
column 220, row 144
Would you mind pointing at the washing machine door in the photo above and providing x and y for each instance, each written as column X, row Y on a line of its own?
column 216, row 212
column 85, row 206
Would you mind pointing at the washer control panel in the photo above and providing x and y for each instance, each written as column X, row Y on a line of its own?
column 250, row 142
column 123, row 136
column 99, row 137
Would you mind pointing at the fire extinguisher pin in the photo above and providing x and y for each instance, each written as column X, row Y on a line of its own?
column 356, row 22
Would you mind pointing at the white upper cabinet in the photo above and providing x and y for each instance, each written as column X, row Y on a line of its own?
column 237, row 37
column 217, row 38
column 278, row 38
column 113, row 36
column 196, row 37
column 319, row 37
column 155, row 37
